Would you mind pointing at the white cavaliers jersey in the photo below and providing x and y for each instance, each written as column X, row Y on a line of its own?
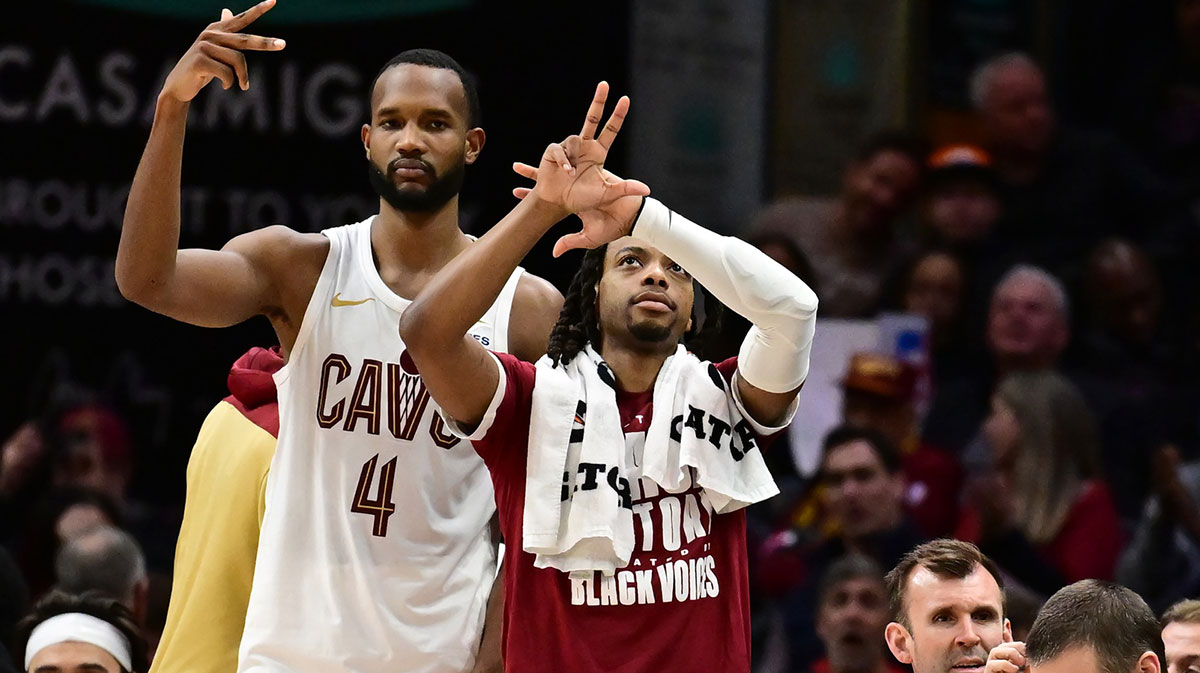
column 375, row 553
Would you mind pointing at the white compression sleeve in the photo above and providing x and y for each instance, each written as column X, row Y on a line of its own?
column 782, row 308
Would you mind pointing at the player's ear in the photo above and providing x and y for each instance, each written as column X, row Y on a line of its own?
column 899, row 641
column 1149, row 663
column 475, row 140
column 366, row 139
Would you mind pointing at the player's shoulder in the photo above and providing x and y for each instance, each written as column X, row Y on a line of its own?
column 281, row 246
column 538, row 296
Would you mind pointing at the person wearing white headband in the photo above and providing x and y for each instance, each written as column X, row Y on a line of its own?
column 80, row 633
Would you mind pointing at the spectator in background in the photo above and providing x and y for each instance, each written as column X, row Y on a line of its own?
column 60, row 516
column 1088, row 627
column 947, row 606
column 879, row 393
column 70, row 633
column 862, row 491
column 94, row 452
column 960, row 213
column 1062, row 192
column 109, row 561
column 854, row 242
column 1028, row 328
column 961, row 205
column 852, row 611
column 218, row 539
column 1044, row 513
column 1181, row 637
column 1130, row 369
column 1162, row 562
column 936, row 286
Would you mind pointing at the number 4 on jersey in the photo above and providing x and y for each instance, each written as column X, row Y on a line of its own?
column 381, row 506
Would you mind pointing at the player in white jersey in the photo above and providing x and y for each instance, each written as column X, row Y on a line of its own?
column 375, row 553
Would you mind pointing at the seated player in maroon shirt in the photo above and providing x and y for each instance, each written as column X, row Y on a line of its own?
column 680, row 601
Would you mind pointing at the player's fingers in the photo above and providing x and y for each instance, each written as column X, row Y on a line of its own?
column 244, row 41
column 226, row 14
column 521, row 192
column 595, row 111
column 630, row 188
column 247, row 17
column 210, row 69
column 231, row 58
column 555, row 154
column 615, row 120
column 1001, row 666
column 573, row 146
column 572, row 242
column 525, row 170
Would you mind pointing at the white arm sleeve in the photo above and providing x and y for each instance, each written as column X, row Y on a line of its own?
column 783, row 309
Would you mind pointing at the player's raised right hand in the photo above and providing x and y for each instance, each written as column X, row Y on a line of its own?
column 217, row 54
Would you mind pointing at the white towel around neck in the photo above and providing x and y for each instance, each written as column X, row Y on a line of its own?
column 578, row 520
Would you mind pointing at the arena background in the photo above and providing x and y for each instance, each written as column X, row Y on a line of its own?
column 734, row 102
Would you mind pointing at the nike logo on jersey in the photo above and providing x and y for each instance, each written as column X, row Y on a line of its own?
column 338, row 301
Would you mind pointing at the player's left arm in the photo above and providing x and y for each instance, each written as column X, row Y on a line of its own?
column 773, row 360
column 536, row 306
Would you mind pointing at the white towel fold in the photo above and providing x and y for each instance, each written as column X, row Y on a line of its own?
column 578, row 515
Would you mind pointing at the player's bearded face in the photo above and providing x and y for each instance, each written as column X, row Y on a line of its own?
column 411, row 196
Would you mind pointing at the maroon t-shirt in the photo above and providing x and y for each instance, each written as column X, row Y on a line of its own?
column 682, row 602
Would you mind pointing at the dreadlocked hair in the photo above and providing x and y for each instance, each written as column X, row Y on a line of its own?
column 578, row 324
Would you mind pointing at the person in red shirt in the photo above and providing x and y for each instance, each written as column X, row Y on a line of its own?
column 679, row 601
column 1044, row 513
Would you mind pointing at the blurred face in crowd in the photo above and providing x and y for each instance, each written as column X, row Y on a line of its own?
column 1016, row 110
column 1127, row 295
column 962, row 211
column 894, row 418
column 935, row 291
column 861, row 493
column 94, row 453
column 950, row 625
column 1003, row 432
column 1026, row 325
column 850, row 622
column 1182, row 641
column 72, row 657
column 877, row 190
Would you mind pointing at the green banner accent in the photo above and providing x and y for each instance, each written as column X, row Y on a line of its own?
column 288, row 11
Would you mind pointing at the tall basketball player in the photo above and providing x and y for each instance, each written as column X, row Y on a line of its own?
column 375, row 552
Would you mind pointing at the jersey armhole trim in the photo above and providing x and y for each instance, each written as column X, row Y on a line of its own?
column 315, row 309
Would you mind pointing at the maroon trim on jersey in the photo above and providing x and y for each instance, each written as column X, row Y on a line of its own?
column 252, row 383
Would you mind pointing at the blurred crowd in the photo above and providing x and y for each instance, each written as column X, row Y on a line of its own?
column 1056, row 425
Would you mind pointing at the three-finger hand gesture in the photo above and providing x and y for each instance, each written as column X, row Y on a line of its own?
column 217, row 54
column 571, row 175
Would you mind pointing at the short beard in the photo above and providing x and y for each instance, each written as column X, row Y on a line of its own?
column 440, row 191
column 650, row 333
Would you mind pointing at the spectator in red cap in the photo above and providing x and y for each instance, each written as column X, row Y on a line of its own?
column 961, row 206
column 880, row 394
